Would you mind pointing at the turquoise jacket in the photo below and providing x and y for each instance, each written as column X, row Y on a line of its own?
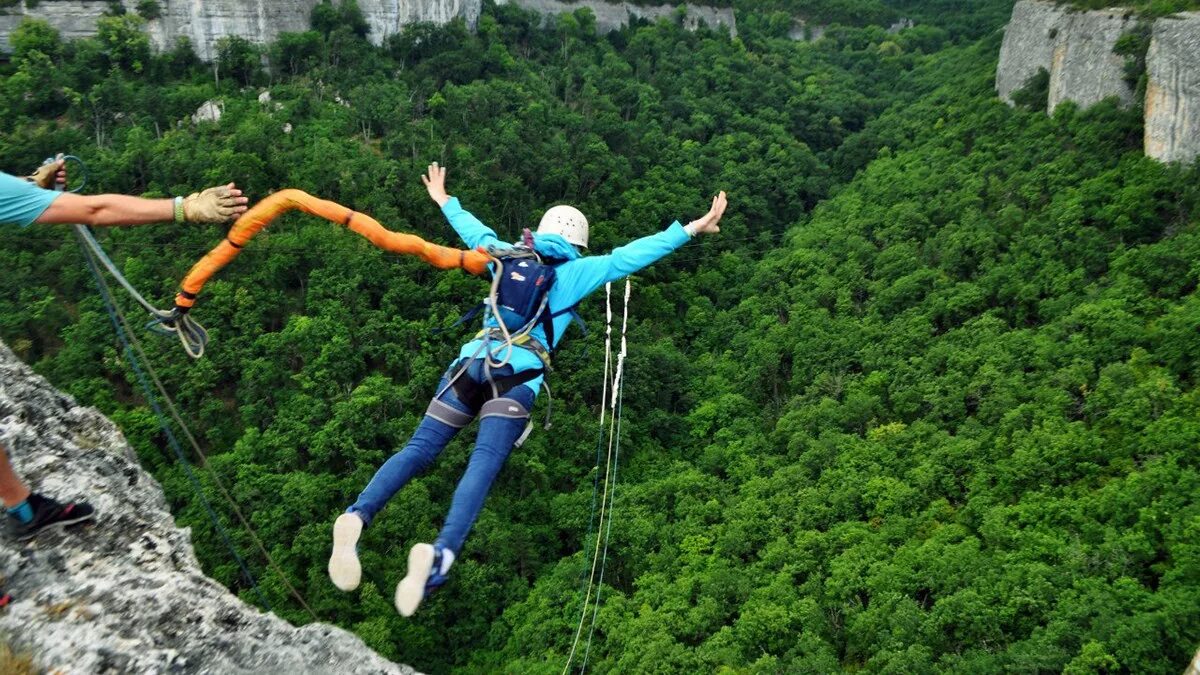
column 575, row 279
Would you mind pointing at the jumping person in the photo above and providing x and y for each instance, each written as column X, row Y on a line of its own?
column 497, row 375
column 24, row 201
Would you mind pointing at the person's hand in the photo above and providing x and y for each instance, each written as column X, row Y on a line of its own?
column 214, row 205
column 435, row 182
column 710, row 222
column 46, row 174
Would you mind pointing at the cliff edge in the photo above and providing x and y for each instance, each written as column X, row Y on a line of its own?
column 126, row 594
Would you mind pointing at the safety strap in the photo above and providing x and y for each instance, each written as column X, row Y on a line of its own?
column 526, row 341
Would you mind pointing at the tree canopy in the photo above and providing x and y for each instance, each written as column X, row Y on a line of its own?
column 927, row 404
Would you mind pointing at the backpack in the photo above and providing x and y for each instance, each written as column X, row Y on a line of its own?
column 521, row 294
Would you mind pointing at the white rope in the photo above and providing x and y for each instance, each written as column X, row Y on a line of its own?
column 609, row 464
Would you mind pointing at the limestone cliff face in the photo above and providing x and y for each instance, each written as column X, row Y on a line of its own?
column 1173, row 90
column 614, row 16
column 259, row 21
column 1076, row 48
column 126, row 594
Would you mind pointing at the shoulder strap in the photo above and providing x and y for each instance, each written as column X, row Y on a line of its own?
column 575, row 318
column 468, row 316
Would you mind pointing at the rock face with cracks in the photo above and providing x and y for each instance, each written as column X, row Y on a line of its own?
column 1173, row 89
column 126, row 594
column 259, row 21
column 1076, row 48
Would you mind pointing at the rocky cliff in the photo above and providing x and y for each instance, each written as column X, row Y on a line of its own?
column 126, row 595
column 1173, row 90
column 259, row 21
column 1076, row 48
column 614, row 16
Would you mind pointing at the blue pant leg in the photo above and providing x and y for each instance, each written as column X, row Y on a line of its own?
column 492, row 448
column 430, row 438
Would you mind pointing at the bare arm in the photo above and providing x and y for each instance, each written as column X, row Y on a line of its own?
column 107, row 210
column 214, row 205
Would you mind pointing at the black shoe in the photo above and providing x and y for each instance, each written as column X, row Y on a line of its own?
column 48, row 514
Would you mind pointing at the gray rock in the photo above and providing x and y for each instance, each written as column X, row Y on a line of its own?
column 1084, row 68
column 1076, row 48
column 806, row 32
column 1173, row 90
column 615, row 16
column 259, row 21
column 126, row 594
column 209, row 111
column 1028, row 46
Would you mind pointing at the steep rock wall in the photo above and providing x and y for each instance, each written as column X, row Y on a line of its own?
column 259, row 21
column 126, row 594
column 1076, row 48
column 1173, row 90
column 614, row 16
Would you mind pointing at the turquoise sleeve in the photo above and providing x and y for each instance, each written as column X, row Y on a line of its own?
column 578, row 278
column 469, row 228
column 22, row 202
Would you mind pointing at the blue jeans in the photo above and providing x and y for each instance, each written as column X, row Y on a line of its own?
column 499, row 429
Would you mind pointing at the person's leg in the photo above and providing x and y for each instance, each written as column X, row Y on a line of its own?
column 501, row 423
column 443, row 419
column 430, row 438
column 28, row 513
column 12, row 491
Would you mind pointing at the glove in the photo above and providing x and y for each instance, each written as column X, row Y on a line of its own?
column 44, row 176
column 214, row 205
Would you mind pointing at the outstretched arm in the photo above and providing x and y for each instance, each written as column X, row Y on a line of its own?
column 214, row 205
column 587, row 274
column 469, row 228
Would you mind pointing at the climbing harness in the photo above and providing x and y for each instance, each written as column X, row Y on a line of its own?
column 519, row 295
column 607, row 492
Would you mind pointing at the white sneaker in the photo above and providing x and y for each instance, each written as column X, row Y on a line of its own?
column 411, row 589
column 344, row 569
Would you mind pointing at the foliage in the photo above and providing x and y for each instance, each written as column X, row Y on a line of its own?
column 1146, row 8
column 1035, row 95
column 927, row 404
column 149, row 9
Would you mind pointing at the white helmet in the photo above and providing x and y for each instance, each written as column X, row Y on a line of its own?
column 567, row 222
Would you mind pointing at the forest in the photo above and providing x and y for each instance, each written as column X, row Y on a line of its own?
column 927, row 404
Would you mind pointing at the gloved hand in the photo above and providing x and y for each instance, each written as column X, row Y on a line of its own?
column 46, row 173
column 214, row 205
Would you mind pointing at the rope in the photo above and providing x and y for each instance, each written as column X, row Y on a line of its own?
column 618, row 405
column 174, row 412
column 600, row 557
column 117, row 323
column 585, row 588
column 191, row 334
